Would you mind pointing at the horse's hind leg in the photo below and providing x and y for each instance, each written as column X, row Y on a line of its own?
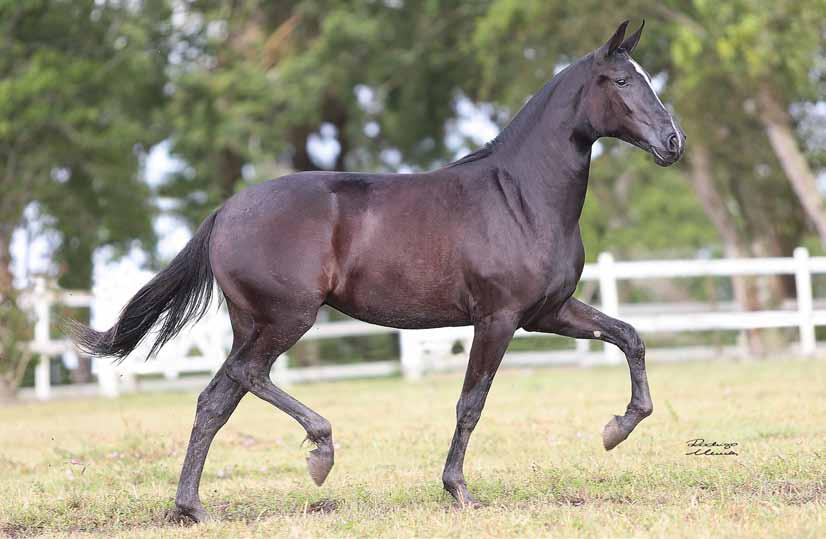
column 252, row 373
column 215, row 404
column 576, row 319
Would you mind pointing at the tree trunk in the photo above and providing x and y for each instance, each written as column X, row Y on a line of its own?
column 8, row 391
column 230, row 170
column 745, row 292
column 301, row 159
column 6, row 277
column 776, row 119
column 336, row 113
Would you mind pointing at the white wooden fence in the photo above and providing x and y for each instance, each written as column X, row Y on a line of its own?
column 203, row 347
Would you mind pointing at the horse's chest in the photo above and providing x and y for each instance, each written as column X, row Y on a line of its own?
column 560, row 273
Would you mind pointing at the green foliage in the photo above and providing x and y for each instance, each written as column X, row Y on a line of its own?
column 753, row 40
column 712, row 56
column 80, row 86
column 238, row 88
column 265, row 76
column 642, row 212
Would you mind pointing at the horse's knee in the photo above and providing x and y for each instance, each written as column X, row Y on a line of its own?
column 631, row 342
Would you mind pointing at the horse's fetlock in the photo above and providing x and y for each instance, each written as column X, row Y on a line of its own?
column 320, row 431
column 642, row 410
column 646, row 409
column 452, row 480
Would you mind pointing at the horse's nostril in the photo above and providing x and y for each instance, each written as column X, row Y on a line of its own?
column 673, row 143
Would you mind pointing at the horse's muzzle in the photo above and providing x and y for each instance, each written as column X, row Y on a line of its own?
column 671, row 149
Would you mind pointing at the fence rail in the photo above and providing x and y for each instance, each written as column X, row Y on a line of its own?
column 430, row 350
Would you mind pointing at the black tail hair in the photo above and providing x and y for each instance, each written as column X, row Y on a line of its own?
column 175, row 296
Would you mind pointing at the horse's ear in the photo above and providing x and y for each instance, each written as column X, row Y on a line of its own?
column 633, row 39
column 615, row 42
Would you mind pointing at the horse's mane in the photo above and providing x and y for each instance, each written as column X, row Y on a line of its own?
column 530, row 112
column 480, row 153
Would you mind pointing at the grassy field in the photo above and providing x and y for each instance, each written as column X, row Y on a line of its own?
column 109, row 468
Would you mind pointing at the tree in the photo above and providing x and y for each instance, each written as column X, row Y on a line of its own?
column 718, row 59
column 261, row 79
column 80, row 85
column 703, row 50
column 768, row 52
column 521, row 45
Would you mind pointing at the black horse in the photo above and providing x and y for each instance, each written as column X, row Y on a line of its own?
column 491, row 240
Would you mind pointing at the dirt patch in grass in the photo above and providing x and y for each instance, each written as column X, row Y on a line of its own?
column 619, row 499
column 15, row 530
column 793, row 492
column 574, row 501
column 323, row 506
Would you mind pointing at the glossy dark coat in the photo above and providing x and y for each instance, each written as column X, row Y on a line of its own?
column 492, row 241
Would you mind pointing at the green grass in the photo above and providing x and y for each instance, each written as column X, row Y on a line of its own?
column 109, row 468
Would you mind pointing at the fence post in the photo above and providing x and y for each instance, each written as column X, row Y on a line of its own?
column 610, row 299
column 410, row 352
column 279, row 374
column 107, row 378
column 803, row 284
column 42, row 374
column 583, row 347
column 172, row 365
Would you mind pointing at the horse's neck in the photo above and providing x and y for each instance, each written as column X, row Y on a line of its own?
column 550, row 156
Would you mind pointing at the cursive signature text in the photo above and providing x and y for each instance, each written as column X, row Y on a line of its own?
column 703, row 447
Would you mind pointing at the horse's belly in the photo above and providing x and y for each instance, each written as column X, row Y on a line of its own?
column 401, row 317
column 403, row 297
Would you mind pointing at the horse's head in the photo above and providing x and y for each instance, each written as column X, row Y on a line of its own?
column 620, row 102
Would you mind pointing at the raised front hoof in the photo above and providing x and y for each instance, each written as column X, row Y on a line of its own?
column 188, row 515
column 614, row 434
column 320, row 462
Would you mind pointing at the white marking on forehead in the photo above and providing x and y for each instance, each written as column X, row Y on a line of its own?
column 638, row 68
column 642, row 72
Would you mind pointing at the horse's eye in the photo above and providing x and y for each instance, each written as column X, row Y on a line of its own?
column 621, row 82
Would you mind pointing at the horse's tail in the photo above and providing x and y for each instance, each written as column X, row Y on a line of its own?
column 175, row 296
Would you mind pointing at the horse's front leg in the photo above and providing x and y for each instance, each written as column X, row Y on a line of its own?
column 490, row 340
column 576, row 319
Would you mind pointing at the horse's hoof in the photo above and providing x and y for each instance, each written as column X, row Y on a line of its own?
column 188, row 515
column 613, row 434
column 320, row 462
